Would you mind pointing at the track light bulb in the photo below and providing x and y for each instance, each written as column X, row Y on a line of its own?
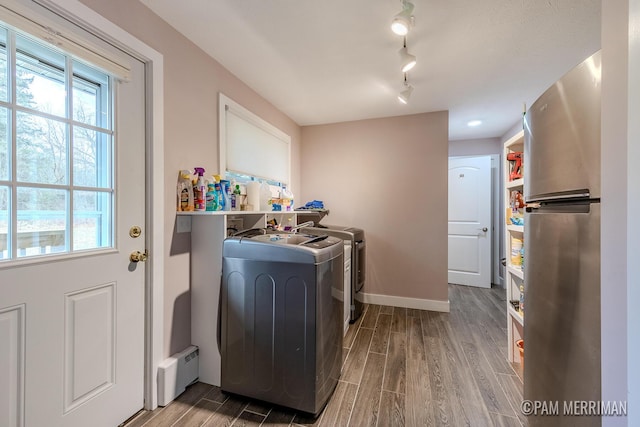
column 403, row 20
column 407, row 60
column 403, row 96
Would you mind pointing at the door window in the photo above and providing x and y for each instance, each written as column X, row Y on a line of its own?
column 56, row 151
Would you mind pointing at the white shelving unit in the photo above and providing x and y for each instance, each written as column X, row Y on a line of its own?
column 514, row 271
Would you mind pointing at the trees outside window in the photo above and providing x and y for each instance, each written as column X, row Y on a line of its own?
column 56, row 151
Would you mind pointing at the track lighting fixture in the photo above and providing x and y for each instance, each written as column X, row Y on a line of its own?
column 403, row 96
column 407, row 61
column 403, row 20
column 400, row 25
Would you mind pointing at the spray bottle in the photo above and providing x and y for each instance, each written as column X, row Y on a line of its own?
column 236, row 198
column 200, row 190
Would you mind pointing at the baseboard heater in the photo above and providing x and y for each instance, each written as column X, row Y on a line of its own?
column 176, row 373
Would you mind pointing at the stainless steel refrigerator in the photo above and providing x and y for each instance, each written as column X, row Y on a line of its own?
column 562, row 247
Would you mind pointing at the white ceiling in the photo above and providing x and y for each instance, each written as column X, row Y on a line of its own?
column 326, row 61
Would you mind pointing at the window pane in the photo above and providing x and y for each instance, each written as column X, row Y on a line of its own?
column 4, row 223
column 41, row 221
column 91, row 158
column 3, row 65
column 91, row 220
column 90, row 96
column 4, row 144
column 41, row 150
column 40, row 77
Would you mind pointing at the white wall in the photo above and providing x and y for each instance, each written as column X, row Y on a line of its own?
column 475, row 147
column 389, row 177
column 633, row 225
column 633, row 207
column 620, row 230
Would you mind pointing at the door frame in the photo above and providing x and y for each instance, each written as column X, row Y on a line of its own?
column 496, row 223
column 95, row 23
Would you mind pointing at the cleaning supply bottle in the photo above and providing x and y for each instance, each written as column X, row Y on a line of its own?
column 185, row 192
column 200, row 190
column 521, row 305
column 218, row 196
column 226, row 193
column 236, row 198
column 211, row 197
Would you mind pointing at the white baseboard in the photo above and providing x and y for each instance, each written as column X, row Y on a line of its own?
column 418, row 303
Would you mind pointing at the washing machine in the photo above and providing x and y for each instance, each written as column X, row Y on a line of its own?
column 281, row 318
column 355, row 237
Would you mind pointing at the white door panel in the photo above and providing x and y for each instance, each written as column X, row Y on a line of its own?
column 72, row 329
column 12, row 337
column 470, row 221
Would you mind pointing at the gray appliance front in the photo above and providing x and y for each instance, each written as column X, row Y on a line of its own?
column 562, row 132
column 281, row 330
column 562, row 328
column 358, row 260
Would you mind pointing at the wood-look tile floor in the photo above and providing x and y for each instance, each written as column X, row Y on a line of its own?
column 402, row 367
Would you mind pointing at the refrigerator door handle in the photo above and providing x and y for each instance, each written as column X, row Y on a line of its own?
column 532, row 206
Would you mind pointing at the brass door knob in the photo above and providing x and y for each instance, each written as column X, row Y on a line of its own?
column 138, row 256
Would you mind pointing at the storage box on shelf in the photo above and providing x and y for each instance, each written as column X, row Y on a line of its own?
column 514, row 177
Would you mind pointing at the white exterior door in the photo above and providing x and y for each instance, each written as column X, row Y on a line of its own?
column 470, row 221
column 72, row 325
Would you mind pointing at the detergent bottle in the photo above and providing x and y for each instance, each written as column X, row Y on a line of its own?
column 200, row 190
column 226, row 193
column 211, row 197
column 218, row 196
column 185, row 192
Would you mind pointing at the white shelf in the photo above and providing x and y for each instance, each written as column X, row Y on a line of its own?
column 514, row 276
column 219, row 213
column 516, row 271
column 516, row 228
column 515, row 183
column 515, row 314
column 516, row 140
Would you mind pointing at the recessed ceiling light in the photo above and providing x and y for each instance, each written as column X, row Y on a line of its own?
column 474, row 123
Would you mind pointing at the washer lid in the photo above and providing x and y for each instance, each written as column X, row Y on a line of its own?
column 284, row 247
column 309, row 240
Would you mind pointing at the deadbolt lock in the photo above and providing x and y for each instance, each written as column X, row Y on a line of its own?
column 135, row 231
column 137, row 256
